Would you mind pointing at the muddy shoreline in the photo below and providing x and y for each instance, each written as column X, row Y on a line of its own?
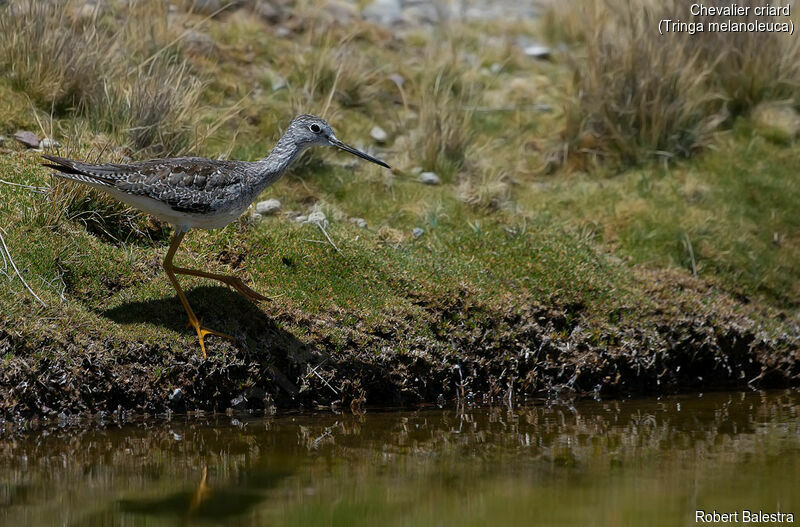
column 524, row 351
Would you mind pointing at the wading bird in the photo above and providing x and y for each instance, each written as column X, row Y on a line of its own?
column 193, row 192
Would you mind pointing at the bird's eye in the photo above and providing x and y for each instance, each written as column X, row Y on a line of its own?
column 315, row 128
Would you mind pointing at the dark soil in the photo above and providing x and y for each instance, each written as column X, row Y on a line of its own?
column 524, row 350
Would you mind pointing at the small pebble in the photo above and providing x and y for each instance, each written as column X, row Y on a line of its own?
column 397, row 79
column 538, row 52
column 176, row 395
column 429, row 178
column 496, row 68
column 278, row 83
column 379, row 134
column 319, row 218
column 268, row 207
column 48, row 143
column 417, row 232
column 28, row 139
column 301, row 218
column 359, row 222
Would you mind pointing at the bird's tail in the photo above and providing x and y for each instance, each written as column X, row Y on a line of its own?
column 76, row 171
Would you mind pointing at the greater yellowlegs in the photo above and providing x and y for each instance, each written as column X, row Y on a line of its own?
column 193, row 192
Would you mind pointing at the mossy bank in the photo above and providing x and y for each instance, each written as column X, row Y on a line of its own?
column 546, row 263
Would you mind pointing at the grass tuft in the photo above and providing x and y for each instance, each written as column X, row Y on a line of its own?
column 123, row 76
column 444, row 133
column 639, row 95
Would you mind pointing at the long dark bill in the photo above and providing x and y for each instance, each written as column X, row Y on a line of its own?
column 338, row 144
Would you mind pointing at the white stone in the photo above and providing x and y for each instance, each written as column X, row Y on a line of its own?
column 429, row 178
column 318, row 217
column 397, row 79
column 538, row 52
column 379, row 134
column 417, row 232
column 47, row 143
column 270, row 206
column 301, row 218
column 278, row 82
column 359, row 222
column 28, row 139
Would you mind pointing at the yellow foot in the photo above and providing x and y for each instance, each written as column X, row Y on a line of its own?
column 244, row 290
column 203, row 331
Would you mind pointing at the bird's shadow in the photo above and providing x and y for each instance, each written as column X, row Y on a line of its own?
column 220, row 309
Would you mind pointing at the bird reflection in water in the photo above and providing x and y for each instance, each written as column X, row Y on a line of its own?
column 205, row 501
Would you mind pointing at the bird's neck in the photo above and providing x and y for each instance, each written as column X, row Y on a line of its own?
column 272, row 167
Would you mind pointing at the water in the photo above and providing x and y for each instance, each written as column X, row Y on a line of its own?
column 632, row 462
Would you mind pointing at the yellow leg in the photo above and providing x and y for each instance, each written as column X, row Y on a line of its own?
column 201, row 493
column 193, row 321
column 233, row 281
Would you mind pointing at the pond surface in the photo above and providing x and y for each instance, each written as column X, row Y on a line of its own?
column 630, row 462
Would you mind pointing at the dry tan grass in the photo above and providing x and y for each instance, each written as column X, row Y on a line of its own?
column 118, row 69
column 558, row 24
column 443, row 133
column 751, row 67
column 488, row 192
column 638, row 94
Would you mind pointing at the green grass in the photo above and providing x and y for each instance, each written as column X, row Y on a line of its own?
column 503, row 233
column 733, row 206
column 477, row 265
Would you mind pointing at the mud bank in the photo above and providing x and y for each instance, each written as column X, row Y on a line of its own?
column 484, row 355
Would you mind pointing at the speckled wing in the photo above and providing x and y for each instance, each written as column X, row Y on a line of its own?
column 188, row 184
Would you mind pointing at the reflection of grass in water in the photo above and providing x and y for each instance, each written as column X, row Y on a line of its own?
column 633, row 461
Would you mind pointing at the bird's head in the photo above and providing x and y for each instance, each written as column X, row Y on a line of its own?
column 309, row 130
